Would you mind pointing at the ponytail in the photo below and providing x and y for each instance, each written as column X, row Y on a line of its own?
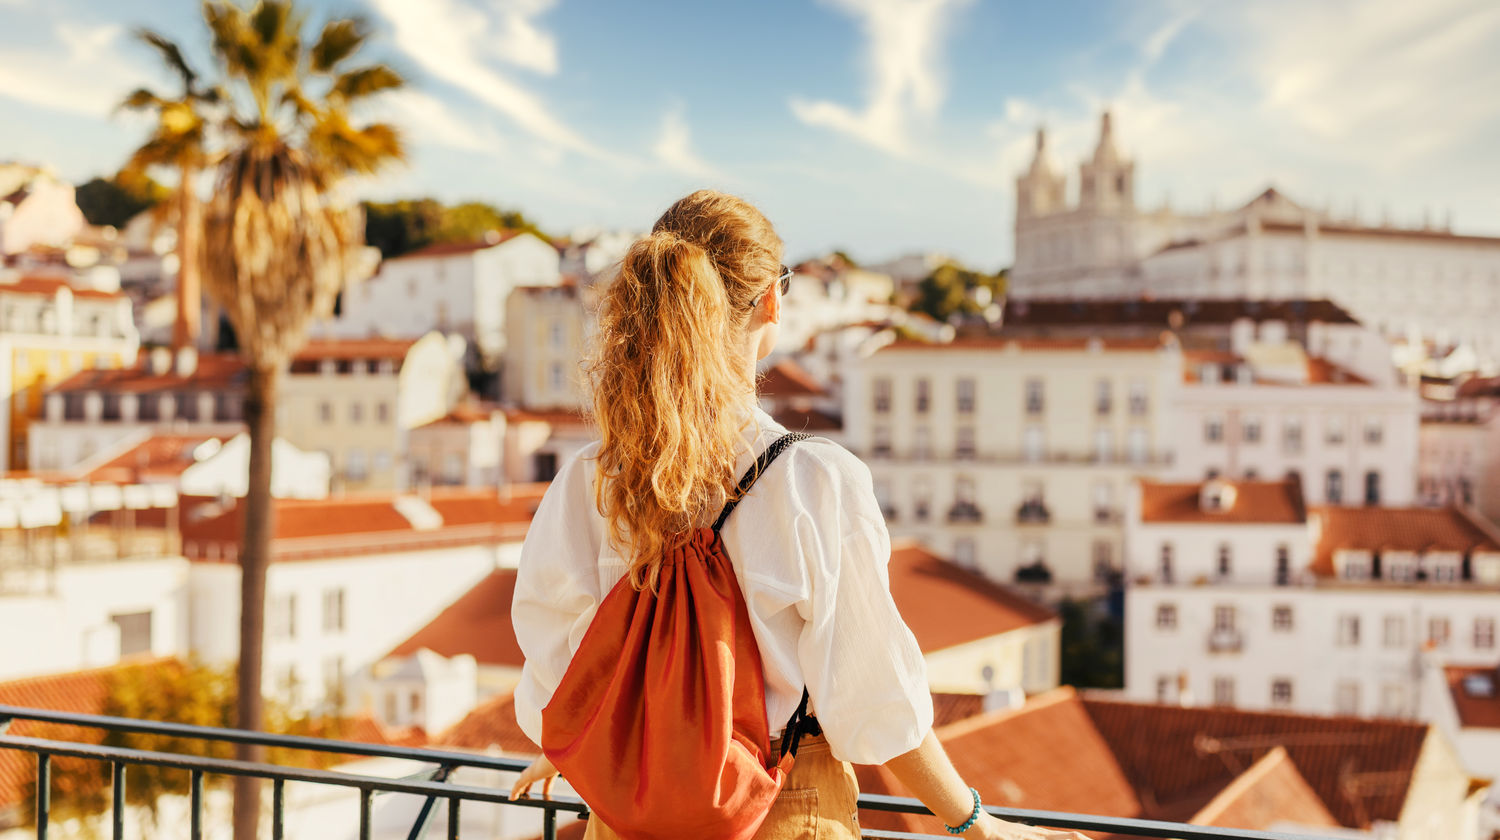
column 668, row 378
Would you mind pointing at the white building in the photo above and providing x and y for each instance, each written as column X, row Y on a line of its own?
column 1238, row 596
column 349, row 579
column 822, row 297
column 1014, row 456
column 36, row 208
column 1459, row 462
column 549, row 329
column 1423, row 282
column 459, row 288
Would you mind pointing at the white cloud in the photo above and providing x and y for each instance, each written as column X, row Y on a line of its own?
column 428, row 121
column 87, row 76
column 452, row 42
column 517, row 39
column 674, row 148
column 904, row 79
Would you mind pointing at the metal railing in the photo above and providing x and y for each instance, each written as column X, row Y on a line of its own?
column 433, row 784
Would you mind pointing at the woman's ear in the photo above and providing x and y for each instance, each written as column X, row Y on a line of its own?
column 773, row 306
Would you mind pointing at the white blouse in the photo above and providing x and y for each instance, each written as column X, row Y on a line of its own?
column 810, row 550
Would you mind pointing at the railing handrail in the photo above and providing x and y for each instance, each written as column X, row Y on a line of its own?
column 46, row 748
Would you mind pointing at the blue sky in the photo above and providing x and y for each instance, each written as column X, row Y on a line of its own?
column 878, row 126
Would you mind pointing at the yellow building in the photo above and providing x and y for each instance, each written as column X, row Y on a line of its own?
column 50, row 330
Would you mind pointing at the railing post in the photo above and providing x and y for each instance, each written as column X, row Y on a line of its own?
column 453, row 803
column 196, row 789
column 549, row 824
column 364, row 814
column 117, row 804
column 43, row 794
column 278, row 809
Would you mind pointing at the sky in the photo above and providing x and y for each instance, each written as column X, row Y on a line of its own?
column 880, row 127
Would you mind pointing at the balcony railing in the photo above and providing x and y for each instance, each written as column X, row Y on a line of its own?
column 1033, row 513
column 1225, row 640
column 965, row 512
column 432, row 784
column 1010, row 458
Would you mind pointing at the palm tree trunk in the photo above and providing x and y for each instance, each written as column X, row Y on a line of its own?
column 189, row 246
column 260, row 417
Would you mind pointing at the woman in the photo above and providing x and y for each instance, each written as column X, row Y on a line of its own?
column 695, row 305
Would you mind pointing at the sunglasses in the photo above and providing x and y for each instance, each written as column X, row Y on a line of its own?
column 785, row 281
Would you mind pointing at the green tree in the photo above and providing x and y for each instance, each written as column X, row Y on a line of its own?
column 115, row 201
column 1092, row 646
column 281, row 239
column 399, row 227
column 178, row 142
column 953, row 289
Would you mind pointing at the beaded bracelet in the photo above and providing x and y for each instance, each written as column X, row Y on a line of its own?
column 973, row 818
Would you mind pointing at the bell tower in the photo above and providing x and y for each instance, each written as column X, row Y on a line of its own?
column 1040, row 189
column 1106, row 181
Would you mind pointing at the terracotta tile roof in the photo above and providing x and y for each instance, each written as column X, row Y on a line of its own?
column 1320, row 371
column 1474, row 708
column 1255, row 502
column 1046, row 755
column 1395, row 529
column 450, row 249
column 214, row 371
column 1043, row 312
column 309, row 528
column 1038, row 345
column 929, row 591
column 1480, row 387
column 79, row 692
column 808, row 420
column 555, row 416
column 786, row 379
column 952, row 708
column 491, row 724
column 157, row 458
column 1270, row 793
column 1179, row 758
column 478, row 623
column 372, row 349
column 50, row 286
column 464, row 415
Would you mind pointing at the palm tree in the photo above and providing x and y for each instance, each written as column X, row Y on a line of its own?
column 179, row 140
column 280, row 238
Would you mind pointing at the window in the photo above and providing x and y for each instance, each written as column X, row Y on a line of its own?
column 354, row 464
column 382, row 412
column 453, row 468
column 1438, row 631
column 1034, row 402
column 1166, row 616
column 1104, row 561
column 1334, row 488
column 1346, row 698
column 963, row 552
column 1032, row 443
column 1484, row 633
column 555, row 335
column 1281, row 692
column 1139, row 403
column 1103, row 400
column 1348, row 632
column 325, row 412
column 922, row 499
column 1224, row 618
column 1223, row 691
column 1291, row 435
column 921, row 446
column 333, row 682
column 1281, row 618
column 1395, row 631
column 356, row 412
column 924, row 395
column 135, row 632
column 291, row 686
column 963, row 490
column 555, row 376
column 1104, row 444
column 333, row 610
column 1164, row 689
column 1372, row 487
column 965, row 396
column 1104, row 508
column 416, row 702
column 963, row 446
column 882, row 444
column 1136, row 444
column 1166, row 563
column 283, row 617
column 882, row 390
column 1250, row 430
column 1226, row 560
column 1213, row 429
column 1393, row 700
column 1374, row 431
column 1333, row 431
column 380, row 461
column 883, row 497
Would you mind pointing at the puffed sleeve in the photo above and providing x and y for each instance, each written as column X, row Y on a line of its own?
column 864, row 670
column 557, row 589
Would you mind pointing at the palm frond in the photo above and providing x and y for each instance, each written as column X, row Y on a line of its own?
column 340, row 39
column 172, row 55
column 139, row 100
column 366, row 81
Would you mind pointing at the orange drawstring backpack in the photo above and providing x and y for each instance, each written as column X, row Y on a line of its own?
column 659, row 722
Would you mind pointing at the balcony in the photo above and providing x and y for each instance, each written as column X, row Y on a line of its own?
column 1004, row 458
column 1033, row 512
column 1225, row 640
column 965, row 512
column 432, row 785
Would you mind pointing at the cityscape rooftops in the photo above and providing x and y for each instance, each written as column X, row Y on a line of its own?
column 478, row 624
column 787, row 379
column 1221, row 501
column 1043, row 312
column 1476, row 695
column 1384, row 529
column 929, row 591
column 1269, row 794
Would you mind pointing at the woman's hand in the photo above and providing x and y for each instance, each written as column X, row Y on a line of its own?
column 988, row 827
column 540, row 770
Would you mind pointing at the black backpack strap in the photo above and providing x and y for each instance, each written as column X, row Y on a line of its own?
column 776, row 448
column 798, row 724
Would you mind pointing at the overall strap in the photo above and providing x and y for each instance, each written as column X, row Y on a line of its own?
column 776, row 448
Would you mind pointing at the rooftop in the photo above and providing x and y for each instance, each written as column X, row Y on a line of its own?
column 1269, row 794
column 158, row 458
column 49, row 286
column 929, row 591
column 1476, row 695
column 478, row 624
column 213, row 371
column 1241, row 503
column 1043, row 312
column 787, row 379
column 1395, row 529
column 808, row 420
column 453, row 249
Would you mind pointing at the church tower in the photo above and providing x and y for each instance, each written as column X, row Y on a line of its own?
column 1106, row 182
column 1040, row 190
